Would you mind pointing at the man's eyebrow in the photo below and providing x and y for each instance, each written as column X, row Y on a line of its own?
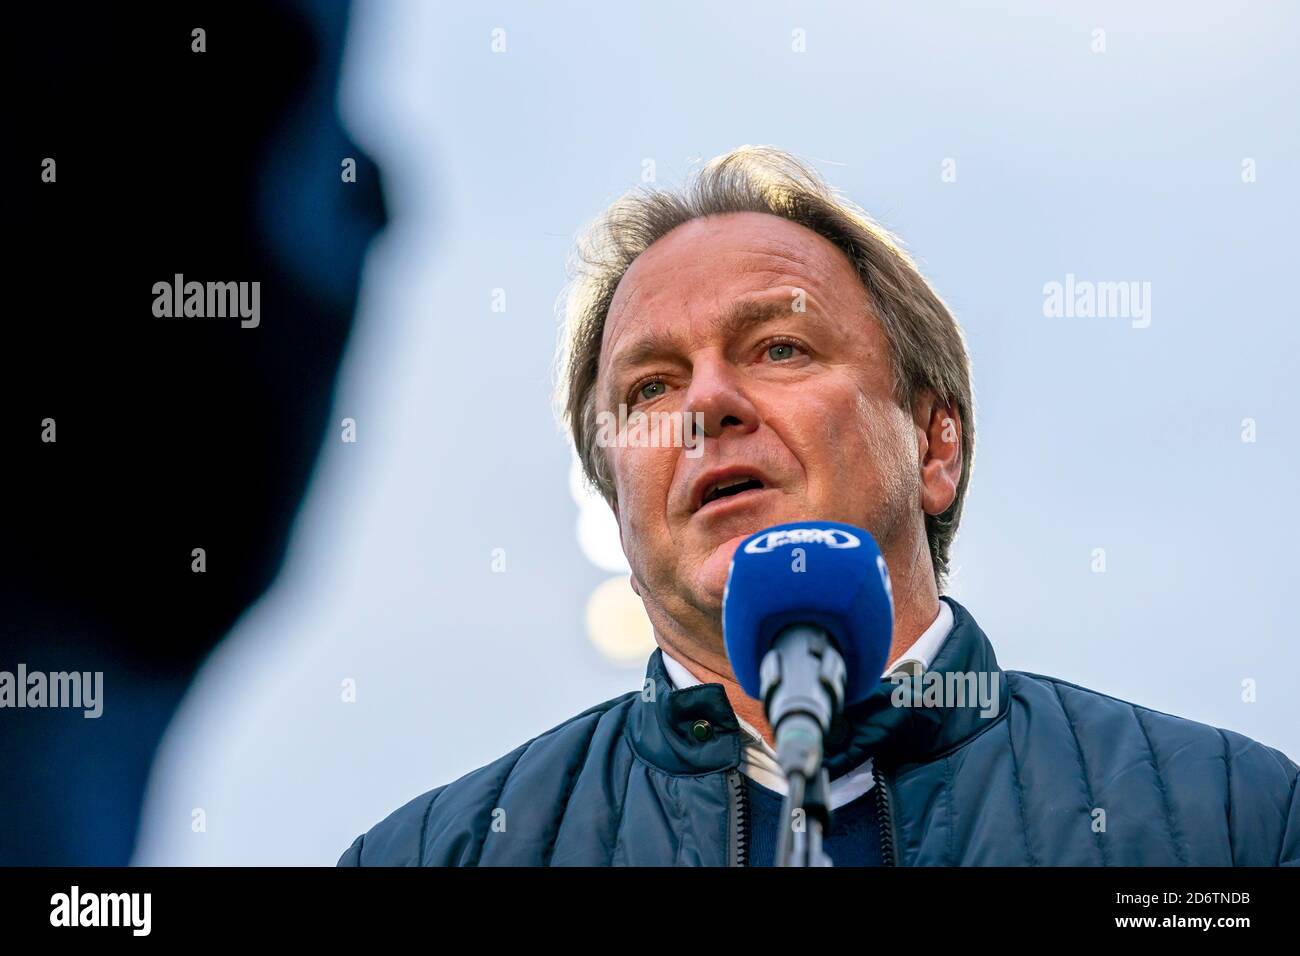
column 754, row 312
column 741, row 313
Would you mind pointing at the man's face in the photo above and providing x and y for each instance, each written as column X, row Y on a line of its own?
column 764, row 328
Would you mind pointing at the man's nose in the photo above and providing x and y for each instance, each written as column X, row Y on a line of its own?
column 716, row 398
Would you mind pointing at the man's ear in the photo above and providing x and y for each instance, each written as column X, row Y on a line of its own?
column 938, row 437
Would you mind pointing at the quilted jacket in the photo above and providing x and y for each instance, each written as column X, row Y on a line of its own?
column 1055, row 775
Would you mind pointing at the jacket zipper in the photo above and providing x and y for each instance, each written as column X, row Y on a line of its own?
column 737, row 800
column 738, row 805
column 885, row 817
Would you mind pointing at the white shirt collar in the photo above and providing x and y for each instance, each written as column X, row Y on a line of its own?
column 759, row 759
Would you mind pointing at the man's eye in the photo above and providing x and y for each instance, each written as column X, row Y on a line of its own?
column 780, row 352
column 650, row 390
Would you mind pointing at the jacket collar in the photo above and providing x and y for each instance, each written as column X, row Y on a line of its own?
column 661, row 723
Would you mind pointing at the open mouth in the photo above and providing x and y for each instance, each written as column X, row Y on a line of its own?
column 731, row 487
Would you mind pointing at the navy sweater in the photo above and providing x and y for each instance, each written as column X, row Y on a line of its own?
column 853, row 840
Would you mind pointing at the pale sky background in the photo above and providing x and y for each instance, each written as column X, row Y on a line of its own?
column 1117, row 166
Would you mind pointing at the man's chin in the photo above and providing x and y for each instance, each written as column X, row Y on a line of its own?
column 713, row 572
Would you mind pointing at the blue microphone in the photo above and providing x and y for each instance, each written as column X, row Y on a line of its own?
column 823, row 574
column 808, row 618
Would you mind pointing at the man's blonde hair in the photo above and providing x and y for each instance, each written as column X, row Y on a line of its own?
column 926, row 345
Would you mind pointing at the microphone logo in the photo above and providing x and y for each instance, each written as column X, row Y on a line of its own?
column 830, row 537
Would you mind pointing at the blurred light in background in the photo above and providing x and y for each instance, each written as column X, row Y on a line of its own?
column 616, row 620
column 617, row 623
column 597, row 528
